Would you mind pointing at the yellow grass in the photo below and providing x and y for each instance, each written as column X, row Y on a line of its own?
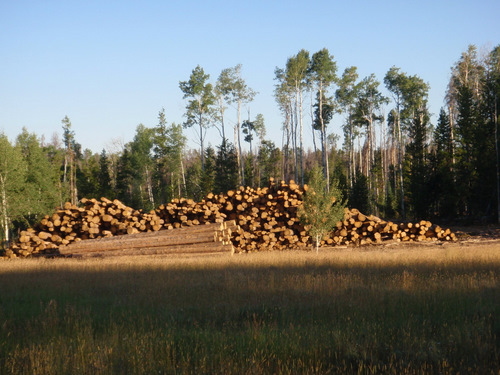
column 391, row 309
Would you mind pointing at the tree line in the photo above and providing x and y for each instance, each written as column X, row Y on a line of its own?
column 393, row 162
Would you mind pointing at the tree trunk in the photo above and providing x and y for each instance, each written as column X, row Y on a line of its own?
column 400, row 167
column 5, row 221
column 240, row 154
column 498, row 161
column 301, row 140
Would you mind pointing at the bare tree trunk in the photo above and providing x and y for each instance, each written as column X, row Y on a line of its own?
column 5, row 221
column 498, row 167
column 149, row 188
column 400, row 162
column 202, row 148
column 352, row 156
column 312, row 125
column 294, row 139
column 301, row 140
column 238, row 152
column 183, row 174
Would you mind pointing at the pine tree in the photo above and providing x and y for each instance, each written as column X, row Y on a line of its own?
column 208, row 175
column 125, row 178
column 322, row 207
column 226, row 168
column 441, row 185
column 105, row 188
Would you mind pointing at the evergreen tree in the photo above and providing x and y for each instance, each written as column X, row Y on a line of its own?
column 359, row 196
column 87, row 176
column 269, row 160
column 441, row 186
column 105, row 187
column 125, row 178
column 417, row 174
column 208, row 175
column 226, row 168
column 168, row 147
column 322, row 207
column 143, row 167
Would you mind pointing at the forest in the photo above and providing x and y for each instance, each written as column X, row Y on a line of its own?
column 399, row 166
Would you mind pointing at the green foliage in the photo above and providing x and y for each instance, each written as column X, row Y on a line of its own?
column 105, row 186
column 226, row 168
column 168, row 147
column 125, row 178
column 359, row 196
column 41, row 179
column 269, row 160
column 199, row 108
column 208, row 175
column 87, row 176
column 418, row 171
column 12, row 186
column 322, row 208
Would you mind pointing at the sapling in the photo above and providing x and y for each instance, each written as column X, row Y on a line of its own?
column 322, row 208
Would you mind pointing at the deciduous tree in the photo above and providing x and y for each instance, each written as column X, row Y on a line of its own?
column 200, row 106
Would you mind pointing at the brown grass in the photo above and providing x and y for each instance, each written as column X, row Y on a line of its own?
column 392, row 309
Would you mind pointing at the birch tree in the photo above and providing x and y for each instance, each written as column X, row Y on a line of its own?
column 322, row 73
column 283, row 96
column 199, row 109
column 296, row 73
column 12, row 178
column 346, row 95
column 69, row 176
column 395, row 82
column 367, row 112
column 236, row 92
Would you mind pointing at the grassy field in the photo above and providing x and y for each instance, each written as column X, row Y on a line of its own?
column 411, row 310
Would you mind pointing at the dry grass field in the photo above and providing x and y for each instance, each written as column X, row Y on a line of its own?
column 398, row 309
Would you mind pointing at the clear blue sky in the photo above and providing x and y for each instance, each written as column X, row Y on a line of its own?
column 110, row 65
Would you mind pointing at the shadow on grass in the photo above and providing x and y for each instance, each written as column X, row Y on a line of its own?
column 286, row 318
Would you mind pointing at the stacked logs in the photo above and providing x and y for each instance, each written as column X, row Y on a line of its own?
column 206, row 239
column 93, row 219
column 265, row 218
column 360, row 229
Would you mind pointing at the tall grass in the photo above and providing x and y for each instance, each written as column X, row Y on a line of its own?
column 402, row 311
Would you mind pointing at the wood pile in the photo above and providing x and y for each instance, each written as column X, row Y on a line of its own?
column 206, row 239
column 93, row 219
column 360, row 229
column 267, row 217
column 264, row 219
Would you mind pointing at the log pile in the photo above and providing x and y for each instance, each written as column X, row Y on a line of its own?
column 265, row 218
column 93, row 219
column 206, row 239
column 360, row 229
